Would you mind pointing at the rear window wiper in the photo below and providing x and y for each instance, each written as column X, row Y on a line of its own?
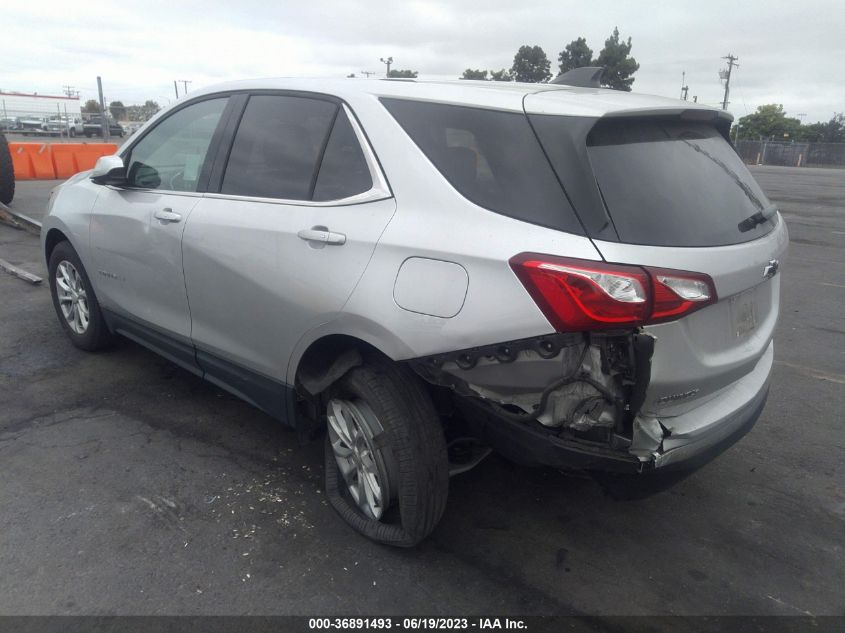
column 758, row 218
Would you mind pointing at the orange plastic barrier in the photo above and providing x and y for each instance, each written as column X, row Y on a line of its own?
column 72, row 158
column 44, row 161
column 31, row 161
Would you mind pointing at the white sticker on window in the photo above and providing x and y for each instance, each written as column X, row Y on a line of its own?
column 192, row 167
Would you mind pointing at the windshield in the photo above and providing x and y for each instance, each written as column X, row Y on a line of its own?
column 674, row 183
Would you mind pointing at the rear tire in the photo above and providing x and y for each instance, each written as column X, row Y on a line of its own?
column 75, row 302
column 7, row 172
column 401, row 440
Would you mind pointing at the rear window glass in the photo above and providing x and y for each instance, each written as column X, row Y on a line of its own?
column 491, row 157
column 674, row 183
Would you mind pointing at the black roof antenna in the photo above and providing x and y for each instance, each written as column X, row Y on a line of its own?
column 584, row 77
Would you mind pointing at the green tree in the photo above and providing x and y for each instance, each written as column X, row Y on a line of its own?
column 469, row 73
column 769, row 121
column 576, row 55
column 403, row 74
column 142, row 112
column 500, row 75
column 117, row 110
column 619, row 66
column 91, row 107
column 832, row 131
column 149, row 109
column 531, row 64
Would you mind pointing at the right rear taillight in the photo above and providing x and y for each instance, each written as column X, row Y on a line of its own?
column 578, row 295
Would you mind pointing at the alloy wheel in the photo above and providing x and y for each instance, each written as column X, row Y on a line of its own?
column 353, row 427
column 73, row 299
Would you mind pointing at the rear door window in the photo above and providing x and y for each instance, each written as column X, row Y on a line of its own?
column 490, row 157
column 277, row 148
column 674, row 183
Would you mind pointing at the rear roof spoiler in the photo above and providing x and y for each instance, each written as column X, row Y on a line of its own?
column 584, row 77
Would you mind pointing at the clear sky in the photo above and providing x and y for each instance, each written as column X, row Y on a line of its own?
column 790, row 52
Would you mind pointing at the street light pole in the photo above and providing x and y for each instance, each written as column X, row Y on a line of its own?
column 387, row 62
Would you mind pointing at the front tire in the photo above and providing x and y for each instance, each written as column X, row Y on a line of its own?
column 75, row 302
column 387, row 471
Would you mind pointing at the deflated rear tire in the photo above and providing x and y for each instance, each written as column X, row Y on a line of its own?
column 387, row 471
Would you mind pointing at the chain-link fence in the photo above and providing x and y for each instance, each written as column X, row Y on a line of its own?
column 16, row 124
column 792, row 154
column 30, row 123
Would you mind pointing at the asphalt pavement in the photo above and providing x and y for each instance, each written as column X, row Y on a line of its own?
column 132, row 487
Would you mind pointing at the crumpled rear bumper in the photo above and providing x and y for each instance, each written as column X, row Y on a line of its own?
column 689, row 441
column 696, row 437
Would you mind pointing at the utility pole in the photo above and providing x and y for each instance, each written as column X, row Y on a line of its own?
column 684, row 86
column 176, row 88
column 104, row 121
column 70, row 91
column 726, row 75
column 367, row 73
column 185, row 83
column 387, row 62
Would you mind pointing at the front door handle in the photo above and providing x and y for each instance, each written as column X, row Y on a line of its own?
column 320, row 236
column 167, row 215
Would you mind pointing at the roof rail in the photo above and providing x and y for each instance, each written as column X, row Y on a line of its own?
column 584, row 77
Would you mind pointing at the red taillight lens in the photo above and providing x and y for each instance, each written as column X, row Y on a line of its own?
column 577, row 295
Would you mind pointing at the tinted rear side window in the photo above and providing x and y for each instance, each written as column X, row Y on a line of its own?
column 344, row 171
column 491, row 157
column 277, row 147
column 673, row 183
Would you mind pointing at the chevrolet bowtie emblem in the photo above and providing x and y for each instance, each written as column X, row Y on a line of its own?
column 771, row 269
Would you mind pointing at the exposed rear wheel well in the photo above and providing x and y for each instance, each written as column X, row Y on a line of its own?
column 54, row 236
column 327, row 359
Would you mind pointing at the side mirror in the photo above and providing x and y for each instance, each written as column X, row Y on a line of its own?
column 109, row 170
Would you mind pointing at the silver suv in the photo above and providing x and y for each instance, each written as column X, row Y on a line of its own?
column 575, row 277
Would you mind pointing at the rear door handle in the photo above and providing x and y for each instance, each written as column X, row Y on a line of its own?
column 320, row 235
column 167, row 215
